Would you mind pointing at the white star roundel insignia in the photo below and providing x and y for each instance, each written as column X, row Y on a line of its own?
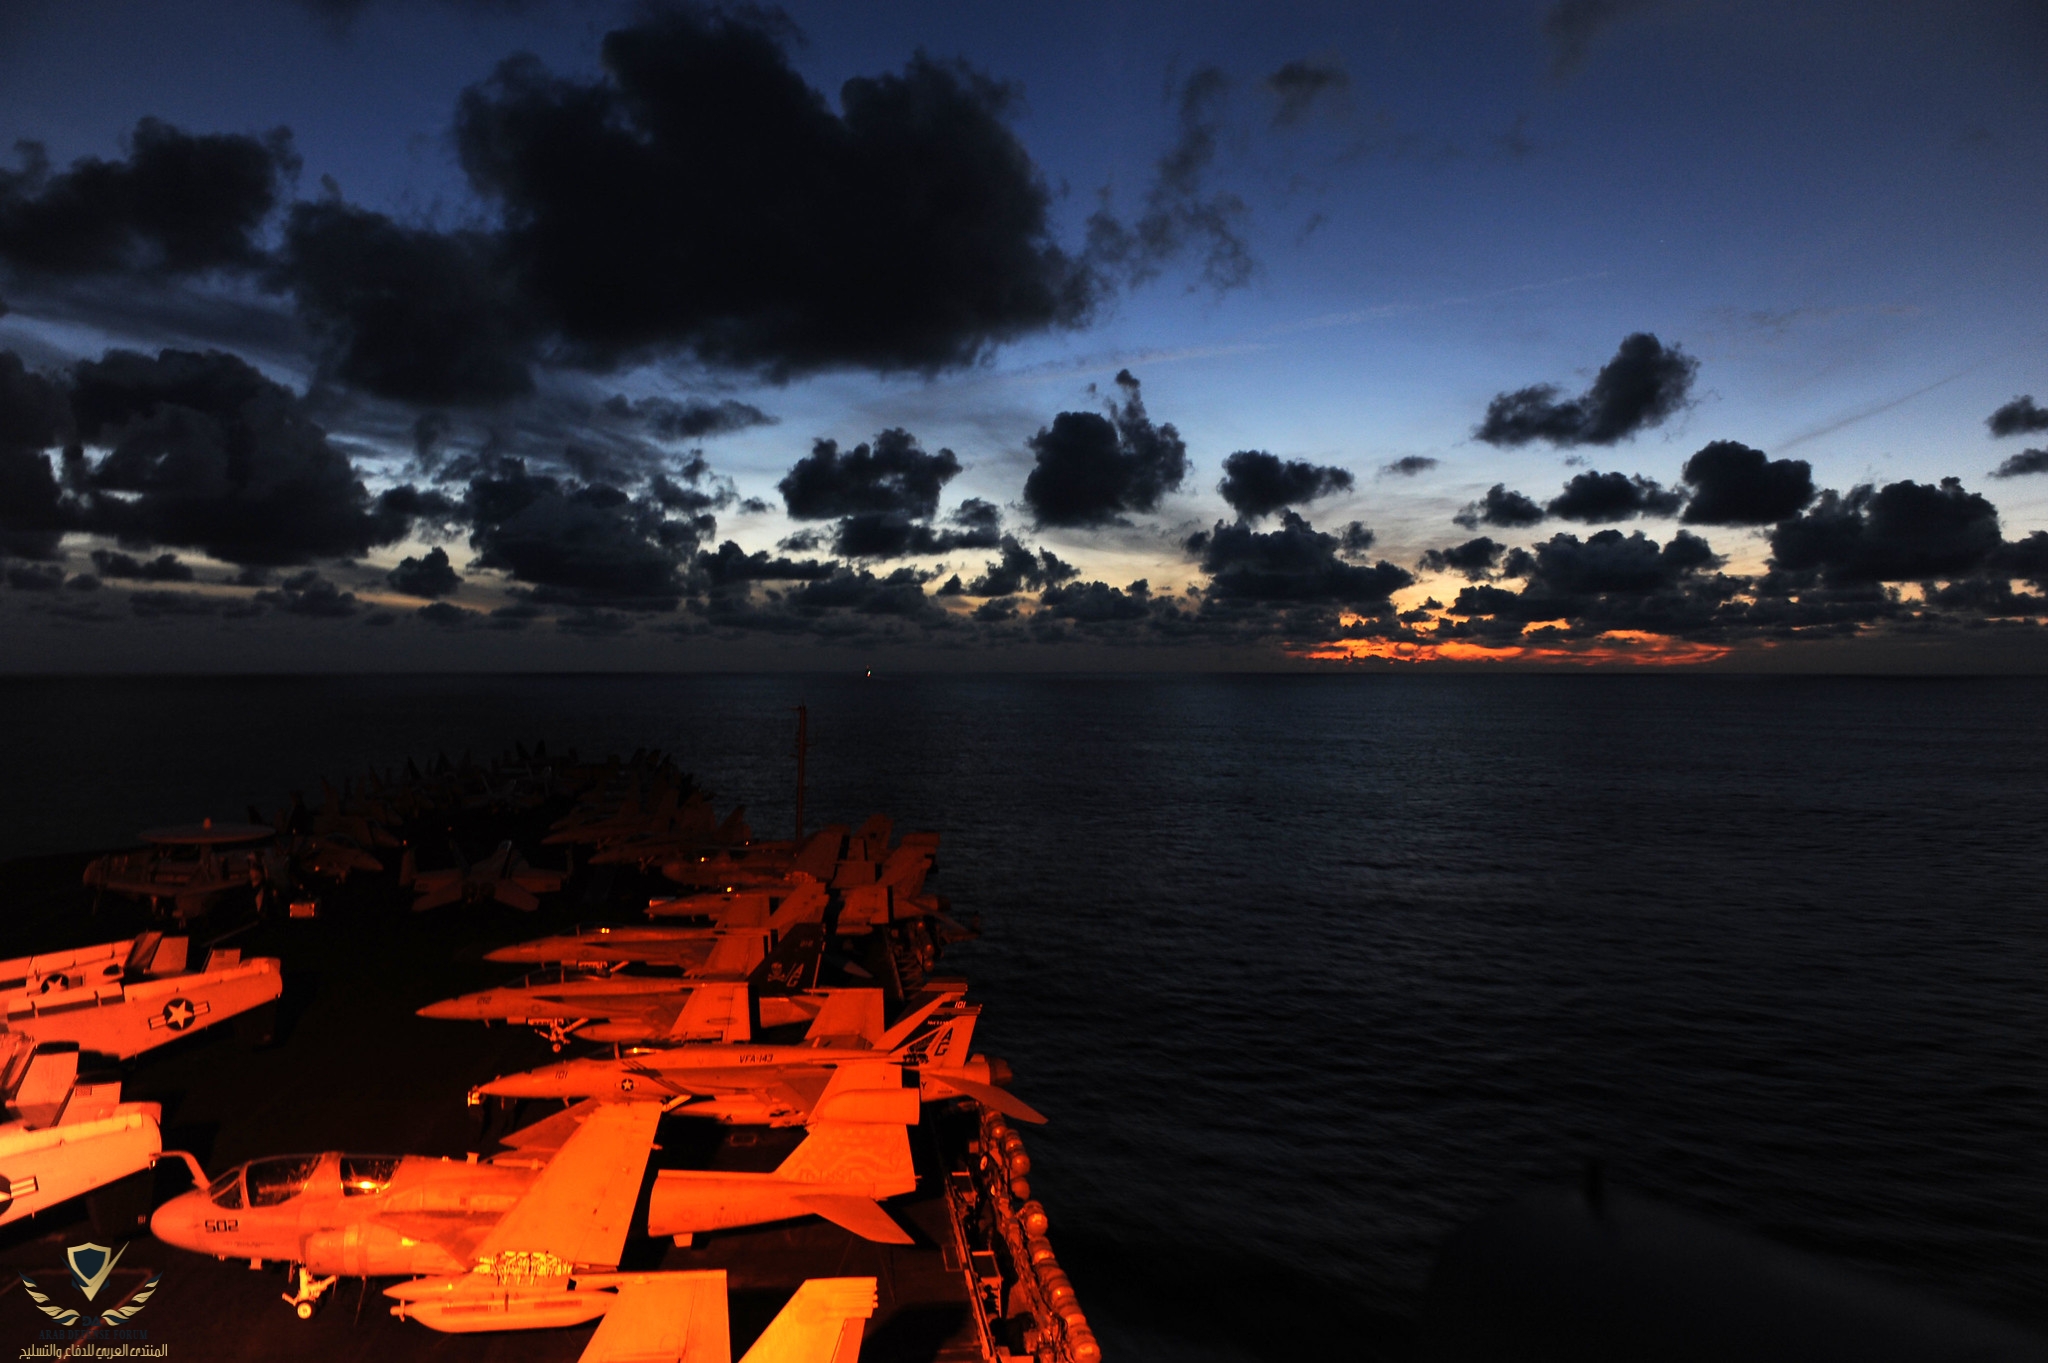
column 178, row 1014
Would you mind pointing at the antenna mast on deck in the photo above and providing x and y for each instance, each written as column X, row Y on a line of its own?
column 803, row 744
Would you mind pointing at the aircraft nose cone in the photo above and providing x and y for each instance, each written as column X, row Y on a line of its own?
column 177, row 1221
column 457, row 1010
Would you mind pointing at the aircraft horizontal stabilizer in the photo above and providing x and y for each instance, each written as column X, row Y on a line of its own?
column 434, row 899
column 861, row 1215
column 515, row 896
column 822, row 1323
column 988, row 1095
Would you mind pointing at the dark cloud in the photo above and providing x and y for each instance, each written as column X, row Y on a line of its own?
column 444, row 614
column 310, row 594
column 884, row 497
column 1903, row 532
column 178, row 204
column 2026, row 559
column 1097, row 603
column 978, row 517
column 1733, row 484
column 701, row 195
column 1499, row 507
column 1257, row 484
column 1021, row 569
column 1608, row 581
column 1408, row 465
column 1476, row 559
column 2025, row 462
column 901, row 593
column 430, row 575
column 429, row 431
column 204, row 452
column 591, row 623
column 894, row 477
column 406, row 504
column 1295, row 563
column 34, row 416
column 162, row 568
column 517, row 615
column 1181, row 213
column 1571, row 25
column 692, row 420
column 1090, row 469
column 881, row 535
column 732, row 566
column 1641, row 386
column 30, row 577
column 408, row 312
column 673, row 496
column 1598, row 497
column 153, row 605
column 2018, row 417
column 585, row 545
column 1299, row 84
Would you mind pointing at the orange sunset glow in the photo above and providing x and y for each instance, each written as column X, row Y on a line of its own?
column 1617, row 646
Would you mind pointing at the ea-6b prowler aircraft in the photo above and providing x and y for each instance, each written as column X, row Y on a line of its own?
column 123, row 998
column 752, row 1084
column 528, row 1239
column 714, row 1002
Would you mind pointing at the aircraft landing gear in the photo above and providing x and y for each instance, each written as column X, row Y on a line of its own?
column 558, row 1033
column 310, row 1295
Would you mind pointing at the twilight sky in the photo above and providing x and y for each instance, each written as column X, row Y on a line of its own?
column 588, row 335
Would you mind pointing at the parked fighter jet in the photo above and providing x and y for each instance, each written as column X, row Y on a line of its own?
column 759, row 1085
column 123, row 998
column 504, row 875
column 707, row 1003
column 675, row 946
column 60, row 1138
column 527, row 1239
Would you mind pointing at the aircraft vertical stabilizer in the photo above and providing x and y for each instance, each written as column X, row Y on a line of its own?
column 715, row 1011
column 793, row 966
column 849, row 1017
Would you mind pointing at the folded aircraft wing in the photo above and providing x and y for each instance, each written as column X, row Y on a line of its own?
column 664, row 1318
column 579, row 1209
column 822, row 1323
column 681, row 1318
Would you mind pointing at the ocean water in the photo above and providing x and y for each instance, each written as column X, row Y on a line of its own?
column 1309, row 970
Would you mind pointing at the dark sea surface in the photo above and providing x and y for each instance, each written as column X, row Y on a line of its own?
column 1309, row 970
